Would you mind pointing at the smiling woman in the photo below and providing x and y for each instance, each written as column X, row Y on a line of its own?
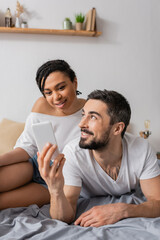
column 59, row 105
column 60, row 93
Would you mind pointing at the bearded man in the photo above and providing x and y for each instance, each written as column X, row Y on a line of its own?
column 105, row 161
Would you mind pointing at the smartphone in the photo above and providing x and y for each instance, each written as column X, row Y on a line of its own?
column 43, row 133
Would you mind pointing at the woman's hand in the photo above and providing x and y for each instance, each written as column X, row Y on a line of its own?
column 52, row 174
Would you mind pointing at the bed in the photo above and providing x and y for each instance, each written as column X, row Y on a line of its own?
column 35, row 223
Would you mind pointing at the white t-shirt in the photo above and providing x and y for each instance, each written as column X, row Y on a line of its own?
column 81, row 169
column 65, row 129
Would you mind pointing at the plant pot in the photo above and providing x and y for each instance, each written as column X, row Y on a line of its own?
column 24, row 25
column 67, row 24
column 79, row 26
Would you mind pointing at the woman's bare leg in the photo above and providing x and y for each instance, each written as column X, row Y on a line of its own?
column 16, row 188
column 15, row 175
column 32, row 193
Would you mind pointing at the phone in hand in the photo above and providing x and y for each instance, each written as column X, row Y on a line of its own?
column 43, row 133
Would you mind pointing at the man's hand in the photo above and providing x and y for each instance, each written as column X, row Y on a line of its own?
column 52, row 174
column 102, row 215
column 63, row 199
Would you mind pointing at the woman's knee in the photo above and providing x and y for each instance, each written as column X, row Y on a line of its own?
column 15, row 175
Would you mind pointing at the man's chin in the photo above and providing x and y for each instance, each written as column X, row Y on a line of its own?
column 92, row 145
column 83, row 144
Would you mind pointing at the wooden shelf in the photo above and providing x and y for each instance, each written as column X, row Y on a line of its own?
column 49, row 31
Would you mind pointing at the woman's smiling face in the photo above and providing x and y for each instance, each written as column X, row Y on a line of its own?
column 60, row 91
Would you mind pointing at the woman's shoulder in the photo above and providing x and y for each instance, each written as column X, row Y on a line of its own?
column 41, row 106
column 82, row 102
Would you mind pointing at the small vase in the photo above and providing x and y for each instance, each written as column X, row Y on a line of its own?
column 79, row 26
column 67, row 24
column 17, row 23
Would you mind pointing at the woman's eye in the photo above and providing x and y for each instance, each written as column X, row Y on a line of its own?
column 48, row 93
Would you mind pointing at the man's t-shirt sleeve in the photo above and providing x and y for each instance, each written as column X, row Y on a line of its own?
column 71, row 172
column 151, row 168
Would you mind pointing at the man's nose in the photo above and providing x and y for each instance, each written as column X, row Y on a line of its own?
column 83, row 123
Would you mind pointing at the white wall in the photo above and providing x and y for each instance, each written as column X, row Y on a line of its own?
column 124, row 58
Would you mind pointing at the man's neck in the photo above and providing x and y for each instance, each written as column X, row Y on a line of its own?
column 110, row 158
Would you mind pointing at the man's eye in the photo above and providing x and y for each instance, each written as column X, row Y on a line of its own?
column 93, row 117
column 62, row 87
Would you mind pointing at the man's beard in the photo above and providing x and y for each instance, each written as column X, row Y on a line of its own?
column 96, row 144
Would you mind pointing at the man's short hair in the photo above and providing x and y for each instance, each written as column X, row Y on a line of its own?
column 118, row 107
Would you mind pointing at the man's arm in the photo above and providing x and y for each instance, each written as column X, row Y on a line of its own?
column 112, row 213
column 151, row 190
column 63, row 204
column 63, row 198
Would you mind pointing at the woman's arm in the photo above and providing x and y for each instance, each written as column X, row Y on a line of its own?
column 19, row 154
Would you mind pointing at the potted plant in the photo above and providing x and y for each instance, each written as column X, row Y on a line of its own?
column 67, row 24
column 24, row 24
column 79, row 18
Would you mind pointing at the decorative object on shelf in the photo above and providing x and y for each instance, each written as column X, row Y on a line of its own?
column 67, row 24
column 91, row 20
column 79, row 18
column 145, row 134
column 8, row 18
column 19, row 11
column 17, row 23
column 24, row 24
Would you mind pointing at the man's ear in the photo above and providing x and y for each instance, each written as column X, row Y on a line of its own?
column 119, row 128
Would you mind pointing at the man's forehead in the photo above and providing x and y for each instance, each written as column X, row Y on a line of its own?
column 95, row 105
